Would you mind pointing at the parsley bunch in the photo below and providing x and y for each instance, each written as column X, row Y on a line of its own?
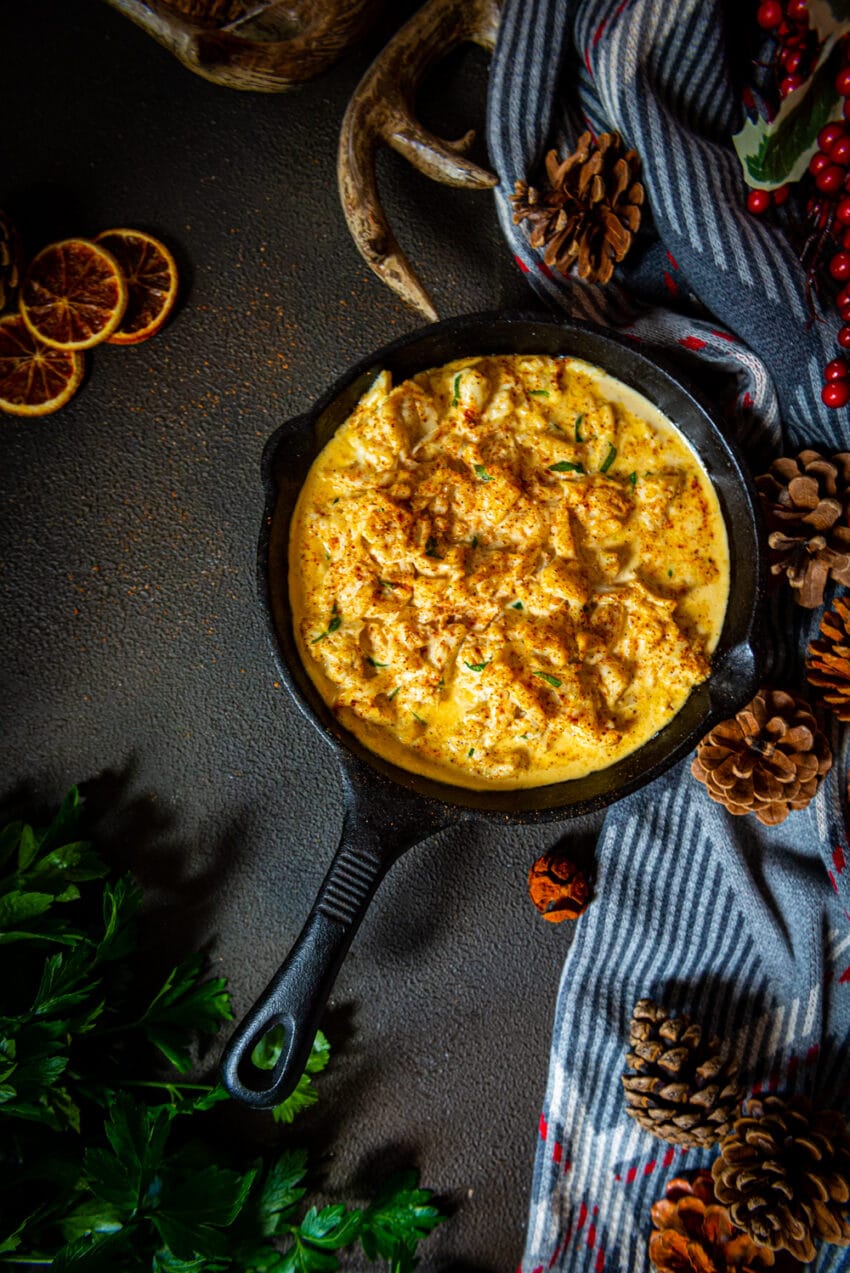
column 107, row 1162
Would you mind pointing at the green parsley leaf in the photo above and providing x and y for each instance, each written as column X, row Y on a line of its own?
column 474, row 541
column 633, row 479
column 516, row 605
column 670, row 573
column 374, row 662
column 399, row 1219
column 578, row 424
column 471, row 751
column 391, row 696
column 456, row 390
column 478, row 667
column 539, row 393
column 482, row 473
column 609, row 458
column 418, row 718
column 549, row 679
column 331, row 1228
column 334, row 623
column 280, row 1190
column 565, row 466
column 182, row 1006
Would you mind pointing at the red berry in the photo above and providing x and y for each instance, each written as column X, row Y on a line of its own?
column 829, row 179
column 844, row 313
column 835, row 393
column 758, row 201
column 780, row 194
column 842, row 211
column 843, row 337
column 842, row 82
column 842, row 300
column 828, row 136
column 789, row 84
column 818, row 162
column 769, row 14
column 836, row 370
column 797, row 10
column 840, row 153
column 791, row 60
column 839, row 266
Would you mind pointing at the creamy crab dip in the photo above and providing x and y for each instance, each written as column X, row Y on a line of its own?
column 507, row 571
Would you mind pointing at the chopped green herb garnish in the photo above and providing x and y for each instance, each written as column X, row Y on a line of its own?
column 670, row 573
column 335, row 499
column 633, row 479
column 442, row 684
column 474, row 541
column 566, row 466
column 418, row 718
column 471, row 751
column 482, row 473
column 456, row 393
column 390, row 697
column 516, row 605
column 579, row 419
column 375, row 662
column 609, row 458
column 335, row 622
column 549, row 679
column 431, row 548
column 523, row 735
column 553, row 424
column 539, row 393
column 477, row 667
column 387, row 583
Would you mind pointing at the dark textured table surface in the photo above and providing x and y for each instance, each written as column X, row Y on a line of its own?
column 134, row 658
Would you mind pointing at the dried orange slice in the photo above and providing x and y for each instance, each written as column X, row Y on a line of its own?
column 35, row 379
column 73, row 295
column 151, row 274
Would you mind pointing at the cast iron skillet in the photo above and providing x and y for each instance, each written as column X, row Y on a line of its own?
column 387, row 809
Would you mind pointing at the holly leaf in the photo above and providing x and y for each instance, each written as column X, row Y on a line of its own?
column 776, row 152
column 828, row 17
column 399, row 1218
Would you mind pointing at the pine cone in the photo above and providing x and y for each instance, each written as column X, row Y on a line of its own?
column 806, row 502
column 785, row 1174
column 694, row 1233
column 591, row 209
column 684, row 1090
column 557, row 887
column 11, row 260
column 767, row 760
column 828, row 662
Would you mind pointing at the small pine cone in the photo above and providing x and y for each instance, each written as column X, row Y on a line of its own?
column 682, row 1088
column 784, row 1173
column 694, row 1233
column 806, row 501
column 557, row 887
column 11, row 260
column 828, row 661
column 767, row 760
column 590, row 210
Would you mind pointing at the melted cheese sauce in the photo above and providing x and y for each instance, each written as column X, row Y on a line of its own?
column 507, row 572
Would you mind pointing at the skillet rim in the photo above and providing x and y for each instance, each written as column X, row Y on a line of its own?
column 729, row 685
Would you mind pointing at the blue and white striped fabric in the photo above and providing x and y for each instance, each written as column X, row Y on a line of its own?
column 746, row 928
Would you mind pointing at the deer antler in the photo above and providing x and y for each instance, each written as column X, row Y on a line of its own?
column 381, row 113
column 264, row 45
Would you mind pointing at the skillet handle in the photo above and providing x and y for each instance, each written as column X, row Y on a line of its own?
column 297, row 994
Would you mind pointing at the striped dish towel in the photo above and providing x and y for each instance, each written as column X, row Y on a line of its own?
column 744, row 927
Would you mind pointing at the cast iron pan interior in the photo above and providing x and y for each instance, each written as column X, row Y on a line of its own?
column 388, row 809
